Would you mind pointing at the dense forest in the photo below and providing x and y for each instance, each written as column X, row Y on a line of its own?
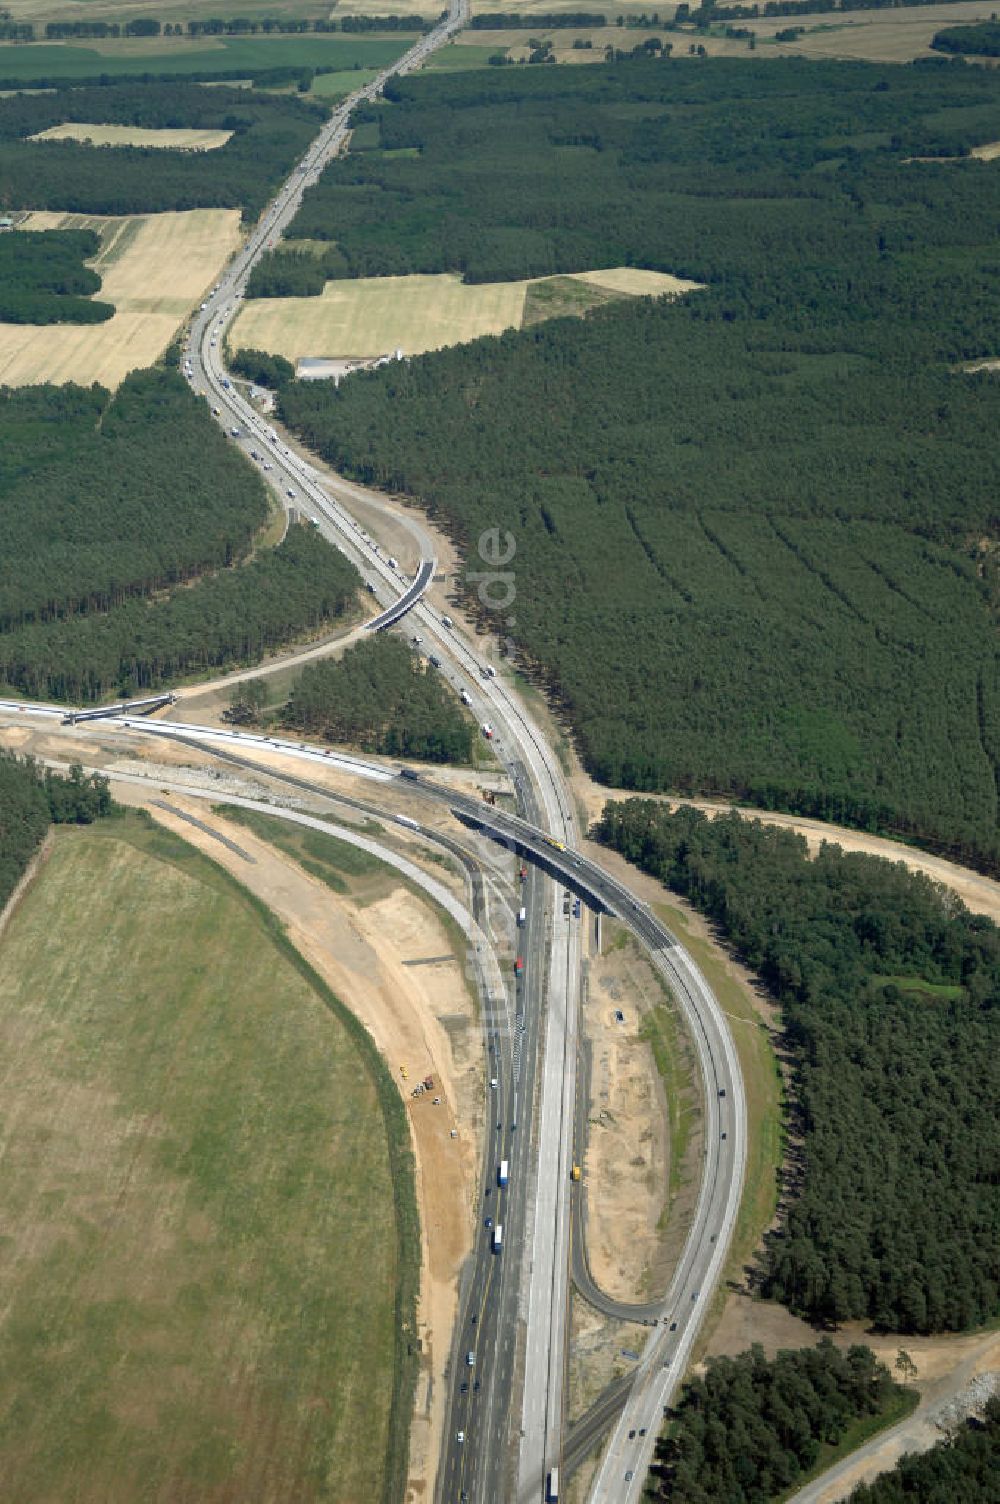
column 109, row 505
column 43, row 279
column 755, row 527
column 748, row 1429
column 107, row 497
column 965, row 1469
column 890, row 1006
column 30, row 801
column 224, row 620
column 261, row 368
column 978, row 41
column 270, row 131
column 381, row 697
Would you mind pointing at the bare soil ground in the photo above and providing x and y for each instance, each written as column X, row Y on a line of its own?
column 629, row 1148
column 421, row 1018
column 600, row 1350
column 154, row 271
column 133, row 135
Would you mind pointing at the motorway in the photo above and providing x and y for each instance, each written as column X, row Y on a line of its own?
column 684, row 1306
column 519, row 1297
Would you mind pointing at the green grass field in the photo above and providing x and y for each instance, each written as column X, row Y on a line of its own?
column 204, row 1195
column 456, row 57
column 219, row 54
column 334, row 86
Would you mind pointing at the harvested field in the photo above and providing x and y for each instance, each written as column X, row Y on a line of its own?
column 371, row 316
column 200, row 1252
column 888, row 35
column 134, row 135
column 155, row 268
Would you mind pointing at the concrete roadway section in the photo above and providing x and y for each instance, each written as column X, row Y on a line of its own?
column 544, row 1205
column 686, row 1302
column 531, row 761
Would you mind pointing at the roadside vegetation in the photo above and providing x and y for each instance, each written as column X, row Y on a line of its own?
column 123, row 521
column 755, row 527
column 212, row 1268
column 381, row 697
column 964, row 1466
column 269, row 132
column 753, row 1427
column 43, row 279
column 889, row 1195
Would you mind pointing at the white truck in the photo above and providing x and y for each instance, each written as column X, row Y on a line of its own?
column 503, row 1173
column 522, row 916
column 497, row 1238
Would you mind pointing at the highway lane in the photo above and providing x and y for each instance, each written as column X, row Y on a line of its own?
column 543, row 799
column 533, row 766
column 687, row 1300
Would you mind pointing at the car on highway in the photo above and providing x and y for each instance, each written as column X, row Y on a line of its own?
column 487, row 1222
column 460, row 1437
column 470, row 1359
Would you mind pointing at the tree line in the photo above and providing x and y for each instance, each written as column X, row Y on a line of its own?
column 982, row 40
column 31, row 800
column 753, row 526
column 889, row 991
column 269, row 131
column 749, row 1429
column 381, row 697
column 43, row 279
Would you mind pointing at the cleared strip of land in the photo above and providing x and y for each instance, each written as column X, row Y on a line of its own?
column 200, row 1251
column 154, row 269
column 134, row 135
column 374, row 316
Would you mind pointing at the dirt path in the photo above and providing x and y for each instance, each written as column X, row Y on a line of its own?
column 945, row 1366
column 421, row 1016
column 978, row 893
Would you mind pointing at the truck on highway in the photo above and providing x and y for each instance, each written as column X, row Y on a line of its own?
column 488, row 731
column 522, row 916
column 466, row 697
column 497, row 1238
column 503, row 1173
column 552, row 1492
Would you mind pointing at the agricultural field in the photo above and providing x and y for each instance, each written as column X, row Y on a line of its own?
column 887, row 35
column 334, row 86
column 180, row 56
column 201, row 1193
column 154, row 269
column 40, row 12
column 372, row 316
column 134, row 135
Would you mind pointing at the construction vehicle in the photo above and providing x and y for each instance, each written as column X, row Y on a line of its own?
column 428, row 1083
